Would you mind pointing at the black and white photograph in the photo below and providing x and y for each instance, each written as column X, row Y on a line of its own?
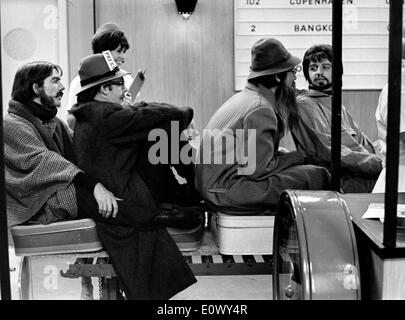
column 213, row 157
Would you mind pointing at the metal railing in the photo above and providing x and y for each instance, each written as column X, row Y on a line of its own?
column 394, row 109
column 4, row 259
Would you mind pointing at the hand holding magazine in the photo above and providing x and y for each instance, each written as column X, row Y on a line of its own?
column 137, row 84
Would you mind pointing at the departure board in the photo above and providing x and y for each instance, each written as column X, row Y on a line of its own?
column 299, row 24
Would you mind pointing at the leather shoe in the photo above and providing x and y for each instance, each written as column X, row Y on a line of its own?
column 180, row 217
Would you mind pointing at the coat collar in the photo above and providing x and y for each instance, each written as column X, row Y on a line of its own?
column 267, row 93
column 280, row 109
column 46, row 131
column 52, row 133
column 316, row 94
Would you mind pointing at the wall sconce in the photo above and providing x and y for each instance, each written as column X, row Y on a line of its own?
column 186, row 7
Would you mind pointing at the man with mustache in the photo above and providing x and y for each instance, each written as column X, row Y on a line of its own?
column 45, row 185
column 247, row 128
column 360, row 164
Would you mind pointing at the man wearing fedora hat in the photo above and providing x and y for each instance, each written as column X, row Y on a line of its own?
column 256, row 118
column 360, row 163
column 111, row 143
column 44, row 184
column 109, row 36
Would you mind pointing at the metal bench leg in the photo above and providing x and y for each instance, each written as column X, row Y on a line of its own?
column 25, row 281
column 87, row 289
column 87, row 285
column 109, row 289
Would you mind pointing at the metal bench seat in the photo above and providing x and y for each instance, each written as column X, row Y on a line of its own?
column 197, row 246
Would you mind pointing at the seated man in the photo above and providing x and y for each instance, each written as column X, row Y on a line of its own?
column 239, row 168
column 312, row 133
column 44, row 185
column 111, row 142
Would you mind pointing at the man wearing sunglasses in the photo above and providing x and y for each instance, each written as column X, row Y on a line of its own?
column 110, row 143
column 360, row 163
column 109, row 36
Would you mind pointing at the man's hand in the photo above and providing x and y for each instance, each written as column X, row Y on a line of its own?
column 127, row 100
column 107, row 202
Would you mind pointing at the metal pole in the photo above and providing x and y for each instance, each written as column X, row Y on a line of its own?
column 94, row 17
column 4, row 260
column 336, row 93
column 393, row 118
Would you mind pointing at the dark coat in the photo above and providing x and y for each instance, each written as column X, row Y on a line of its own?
column 111, row 144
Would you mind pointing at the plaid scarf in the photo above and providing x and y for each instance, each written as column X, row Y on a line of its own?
column 38, row 178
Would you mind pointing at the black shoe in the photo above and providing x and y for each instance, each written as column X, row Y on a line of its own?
column 180, row 217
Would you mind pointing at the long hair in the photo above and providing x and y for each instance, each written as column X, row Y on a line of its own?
column 27, row 75
column 109, row 41
column 283, row 94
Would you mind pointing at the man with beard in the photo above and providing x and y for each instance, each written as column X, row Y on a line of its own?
column 43, row 185
column 360, row 163
column 252, row 122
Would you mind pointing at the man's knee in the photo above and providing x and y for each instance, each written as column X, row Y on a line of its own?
column 318, row 177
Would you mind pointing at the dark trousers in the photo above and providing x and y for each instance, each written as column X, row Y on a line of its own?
column 129, row 213
column 163, row 183
column 145, row 258
column 354, row 184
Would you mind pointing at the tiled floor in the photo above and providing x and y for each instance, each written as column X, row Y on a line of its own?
column 254, row 287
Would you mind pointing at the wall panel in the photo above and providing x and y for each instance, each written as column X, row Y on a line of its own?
column 190, row 62
column 187, row 62
column 80, row 20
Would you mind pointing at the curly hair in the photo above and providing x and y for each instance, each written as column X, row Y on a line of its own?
column 316, row 53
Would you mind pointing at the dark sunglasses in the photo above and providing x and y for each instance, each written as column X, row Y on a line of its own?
column 120, row 83
column 295, row 69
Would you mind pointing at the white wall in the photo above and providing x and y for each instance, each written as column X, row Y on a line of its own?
column 30, row 31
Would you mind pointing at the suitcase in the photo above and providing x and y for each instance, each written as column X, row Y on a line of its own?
column 59, row 237
column 74, row 236
column 239, row 235
column 187, row 239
